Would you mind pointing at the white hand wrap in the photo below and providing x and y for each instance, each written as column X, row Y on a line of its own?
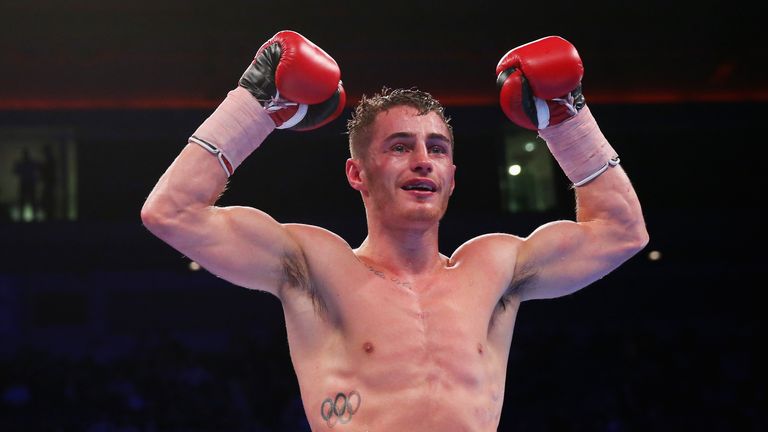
column 580, row 148
column 235, row 129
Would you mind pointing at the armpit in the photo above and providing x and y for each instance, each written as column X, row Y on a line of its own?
column 522, row 278
column 296, row 276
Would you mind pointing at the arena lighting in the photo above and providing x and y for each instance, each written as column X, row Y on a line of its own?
column 515, row 170
column 447, row 97
column 193, row 266
column 654, row 255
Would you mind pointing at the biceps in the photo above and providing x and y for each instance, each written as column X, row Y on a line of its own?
column 241, row 245
column 564, row 257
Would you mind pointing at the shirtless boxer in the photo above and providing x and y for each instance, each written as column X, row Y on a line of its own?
column 393, row 335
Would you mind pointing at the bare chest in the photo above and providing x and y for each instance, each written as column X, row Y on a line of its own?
column 416, row 346
column 429, row 330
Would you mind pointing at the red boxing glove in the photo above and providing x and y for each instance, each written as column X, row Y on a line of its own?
column 540, row 83
column 296, row 82
column 291, row 84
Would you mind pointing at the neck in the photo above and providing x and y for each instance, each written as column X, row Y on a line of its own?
column 408, row 251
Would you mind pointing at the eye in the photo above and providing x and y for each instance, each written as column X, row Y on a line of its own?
column 398, row 148
column 438, row 149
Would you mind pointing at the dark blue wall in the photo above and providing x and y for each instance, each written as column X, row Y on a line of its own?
column 100, row 321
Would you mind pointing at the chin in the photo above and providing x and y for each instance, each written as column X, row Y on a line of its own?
column 424, row 217
column 422, row 213
column 429, row 215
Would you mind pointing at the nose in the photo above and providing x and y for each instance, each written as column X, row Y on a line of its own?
column 420, row 161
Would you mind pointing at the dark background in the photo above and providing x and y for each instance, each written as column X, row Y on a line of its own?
column 104, row 327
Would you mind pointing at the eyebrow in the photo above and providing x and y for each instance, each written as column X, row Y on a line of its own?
column 438, row 137
column 431, row 137
column 398, row 135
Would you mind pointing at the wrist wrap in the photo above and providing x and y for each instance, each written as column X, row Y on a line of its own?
column 235, row 129
column 580, row 148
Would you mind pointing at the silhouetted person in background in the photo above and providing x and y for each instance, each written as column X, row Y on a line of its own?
column 48, row 177
column 5, row 210
column 27, row 171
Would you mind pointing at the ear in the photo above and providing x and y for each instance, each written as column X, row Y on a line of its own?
column 453, row 180
column 355, row 175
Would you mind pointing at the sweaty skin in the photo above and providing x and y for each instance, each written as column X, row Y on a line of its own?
column 401, row 325
column 393, row 335
column 420, row 350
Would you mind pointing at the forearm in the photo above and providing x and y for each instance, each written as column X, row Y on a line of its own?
column 290, row 84
column 541, row 90
column 611, row 199
column 198, row 176
column 192, row 182
column 604, row 193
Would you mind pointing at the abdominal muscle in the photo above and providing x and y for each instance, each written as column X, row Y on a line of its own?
column 399, row 361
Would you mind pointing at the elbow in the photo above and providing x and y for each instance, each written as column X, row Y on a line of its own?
column 157, row 219
column 168, row 220
column 149, row 216
column 635, row 232
column 637, row 239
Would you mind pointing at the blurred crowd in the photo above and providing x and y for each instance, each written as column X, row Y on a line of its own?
column 161, row 387
column 571, row 379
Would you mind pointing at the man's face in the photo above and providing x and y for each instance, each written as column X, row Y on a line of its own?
column 408, row 171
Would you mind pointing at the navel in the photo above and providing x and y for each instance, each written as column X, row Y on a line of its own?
column 480, row 349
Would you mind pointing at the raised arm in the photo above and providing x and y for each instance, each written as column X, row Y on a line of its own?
column 291, row 84
column 540, row 89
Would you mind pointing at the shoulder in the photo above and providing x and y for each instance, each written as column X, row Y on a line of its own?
column 312, row 237
column 489, row 262
column 488, row 247
column 320, row 246
column 494, row 255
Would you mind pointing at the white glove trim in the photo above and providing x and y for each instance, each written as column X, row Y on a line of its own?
column 542, row 112
column 276, row 104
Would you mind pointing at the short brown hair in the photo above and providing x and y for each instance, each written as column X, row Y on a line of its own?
column 369, row 107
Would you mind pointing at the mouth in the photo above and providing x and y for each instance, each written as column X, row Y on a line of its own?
column 420, row 185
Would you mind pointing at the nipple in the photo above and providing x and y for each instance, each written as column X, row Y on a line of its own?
column 368, row 347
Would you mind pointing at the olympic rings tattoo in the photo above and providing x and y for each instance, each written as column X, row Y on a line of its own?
column 341, row 408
